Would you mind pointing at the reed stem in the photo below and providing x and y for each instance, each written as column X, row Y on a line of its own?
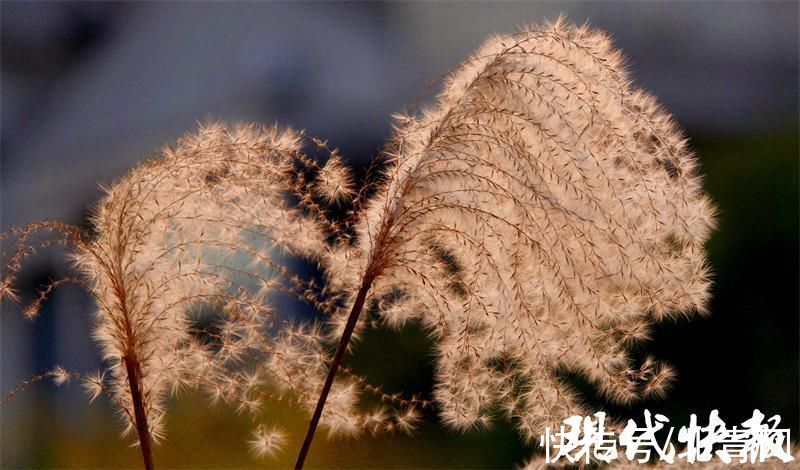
column 352, row 320
column 142, row 429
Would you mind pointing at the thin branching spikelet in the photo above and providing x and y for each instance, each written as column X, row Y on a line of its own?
column 266, row 442
column 540, row 216
column 334, row 182
column 94, row 385
column 60, row 375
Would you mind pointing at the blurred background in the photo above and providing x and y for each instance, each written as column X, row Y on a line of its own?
column 89, row 89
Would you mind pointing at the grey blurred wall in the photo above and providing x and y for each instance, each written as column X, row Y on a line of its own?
column 77, row 113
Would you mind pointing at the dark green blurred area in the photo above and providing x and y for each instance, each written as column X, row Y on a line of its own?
column 743, row 356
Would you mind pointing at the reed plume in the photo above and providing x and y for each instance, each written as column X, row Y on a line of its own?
column 183, row 258
column 542, row 215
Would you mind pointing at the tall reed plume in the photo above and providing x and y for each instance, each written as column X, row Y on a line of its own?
column 542, row 215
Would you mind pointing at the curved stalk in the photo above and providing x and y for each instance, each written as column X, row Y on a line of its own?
column 140, row 417
column 352, row 319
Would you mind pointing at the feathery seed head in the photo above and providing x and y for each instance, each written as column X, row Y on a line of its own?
column 334, row 182
column 545, row 211
column 60, row 375
column 266, row 442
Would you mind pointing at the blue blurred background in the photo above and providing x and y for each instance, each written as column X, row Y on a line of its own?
column 88, row 89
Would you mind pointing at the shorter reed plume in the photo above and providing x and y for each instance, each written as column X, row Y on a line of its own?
column 204, row 234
